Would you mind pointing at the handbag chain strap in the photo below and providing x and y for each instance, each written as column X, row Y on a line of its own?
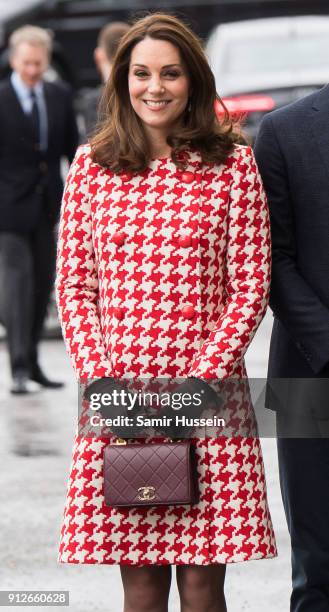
column 123, row 442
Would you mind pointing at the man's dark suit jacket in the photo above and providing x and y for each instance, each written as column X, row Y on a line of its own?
column 90, row 110
column 292, row 152
column 29, row 179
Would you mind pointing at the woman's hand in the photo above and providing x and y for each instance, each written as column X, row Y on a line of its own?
column 118, row 403
column 189, row 399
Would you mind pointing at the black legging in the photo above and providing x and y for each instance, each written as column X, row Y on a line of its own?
column 201, row 588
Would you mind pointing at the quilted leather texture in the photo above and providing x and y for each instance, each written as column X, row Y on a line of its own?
column 180, row 294
column 166, row 467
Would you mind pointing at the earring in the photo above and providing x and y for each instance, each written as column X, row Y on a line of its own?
column 189, row 106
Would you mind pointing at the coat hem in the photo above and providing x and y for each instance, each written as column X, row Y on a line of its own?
column 132, row 563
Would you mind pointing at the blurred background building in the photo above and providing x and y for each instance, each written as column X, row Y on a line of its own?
column 76, row 23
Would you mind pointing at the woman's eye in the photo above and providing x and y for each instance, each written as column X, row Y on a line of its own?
column 173, row 74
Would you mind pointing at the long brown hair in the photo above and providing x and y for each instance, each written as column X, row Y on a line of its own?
column 120, row 142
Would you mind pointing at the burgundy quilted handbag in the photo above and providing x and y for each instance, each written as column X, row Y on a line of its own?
column 152, row 474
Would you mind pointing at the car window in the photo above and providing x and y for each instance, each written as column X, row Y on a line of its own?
column 276, row 54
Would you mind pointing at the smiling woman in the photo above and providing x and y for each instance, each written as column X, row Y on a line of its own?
column 160, row 98
column 163, row 272
column 159, row 90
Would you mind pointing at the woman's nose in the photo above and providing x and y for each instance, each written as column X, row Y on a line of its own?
column 156, row 86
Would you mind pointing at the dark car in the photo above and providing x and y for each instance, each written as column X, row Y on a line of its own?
column 263, row 64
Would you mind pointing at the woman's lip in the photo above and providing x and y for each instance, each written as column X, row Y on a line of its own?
column 157, row 101
column 155, row 105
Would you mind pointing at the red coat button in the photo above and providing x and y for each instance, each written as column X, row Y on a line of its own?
column 185, row 241
column 118, row 313
column 188, row 312
column 119, row 238
column 187, row 177
column 126, row 176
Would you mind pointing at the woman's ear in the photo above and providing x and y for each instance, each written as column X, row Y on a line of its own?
column 99, row 57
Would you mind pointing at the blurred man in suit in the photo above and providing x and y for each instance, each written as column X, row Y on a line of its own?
column 38, row 128
column 292, row 151
column 108, row 41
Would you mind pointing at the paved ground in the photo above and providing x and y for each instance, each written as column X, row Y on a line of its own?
column 32, row 491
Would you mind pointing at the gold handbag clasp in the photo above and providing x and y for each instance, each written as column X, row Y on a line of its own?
column 120, row 441
column 146, row 493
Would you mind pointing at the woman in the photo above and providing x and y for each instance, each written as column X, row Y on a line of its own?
column 163, row 270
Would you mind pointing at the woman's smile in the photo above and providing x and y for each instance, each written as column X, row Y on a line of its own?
column 157, row 104
column 158, row 86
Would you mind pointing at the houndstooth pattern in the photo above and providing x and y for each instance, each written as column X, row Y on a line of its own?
column 223, row 274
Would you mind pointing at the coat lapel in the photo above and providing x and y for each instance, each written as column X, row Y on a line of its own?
column 320, row 124
column 50, row 105
column 18, row 112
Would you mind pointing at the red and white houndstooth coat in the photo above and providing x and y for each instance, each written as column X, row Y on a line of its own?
column 166, row 274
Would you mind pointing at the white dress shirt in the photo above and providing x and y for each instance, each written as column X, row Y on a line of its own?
column 23, row 93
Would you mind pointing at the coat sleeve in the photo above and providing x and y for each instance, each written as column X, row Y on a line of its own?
column 292, row 299
column 76, row 278
column 247, row 274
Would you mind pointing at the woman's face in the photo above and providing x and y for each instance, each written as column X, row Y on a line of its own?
column 158, row 84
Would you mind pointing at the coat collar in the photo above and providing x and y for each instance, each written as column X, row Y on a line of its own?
column 21, row 116
column 319, row 123
column 192, row 159
column 18, row 112
column 51, row 99
column 321, row 99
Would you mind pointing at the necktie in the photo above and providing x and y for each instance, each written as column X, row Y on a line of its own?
column 35, row 118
